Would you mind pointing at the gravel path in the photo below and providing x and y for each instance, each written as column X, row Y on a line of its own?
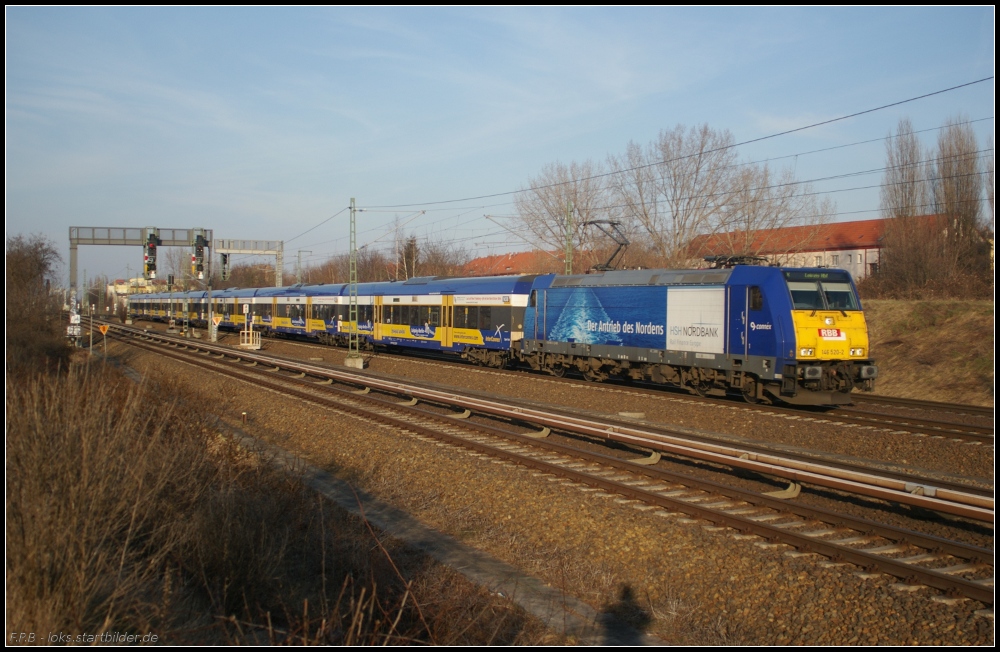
column 676, row 577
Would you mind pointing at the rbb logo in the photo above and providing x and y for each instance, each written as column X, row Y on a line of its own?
column 21, row 637
column 831, row 333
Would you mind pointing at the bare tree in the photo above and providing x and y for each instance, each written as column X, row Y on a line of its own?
column 542, row 207
column 989, row 181
column 176, row 262
column 947, row 253
column 905, row 187
column 911, row 253
column 410, row 256
column 958, row 190
column 674, row 188
column 440, row 259
column 34, row 330
column 247, row 275
column 759, row 207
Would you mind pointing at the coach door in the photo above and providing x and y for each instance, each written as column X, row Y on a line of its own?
column 447, row 320
column 377, row 318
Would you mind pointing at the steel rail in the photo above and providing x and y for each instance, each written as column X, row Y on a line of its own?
column 961, row 408
column 925, row 495
column 945, row 429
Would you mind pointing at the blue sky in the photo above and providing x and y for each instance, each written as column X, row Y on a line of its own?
column 262, row 123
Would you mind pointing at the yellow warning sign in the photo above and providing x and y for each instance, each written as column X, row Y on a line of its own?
column 216, row 319
column 104, row 329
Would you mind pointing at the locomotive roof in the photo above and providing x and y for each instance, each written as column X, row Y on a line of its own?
column 646, row 277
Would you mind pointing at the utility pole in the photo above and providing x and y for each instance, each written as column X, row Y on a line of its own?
column 569, row 238
column 213, row 330
column 354, row 358
column 298, row 266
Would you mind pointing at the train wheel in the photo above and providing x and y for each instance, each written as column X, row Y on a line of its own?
column 750, row 389
column 558, row 372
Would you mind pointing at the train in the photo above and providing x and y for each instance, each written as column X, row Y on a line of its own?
column 771, row 334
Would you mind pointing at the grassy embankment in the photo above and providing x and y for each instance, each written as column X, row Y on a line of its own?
column 937, row 350
column 127, row 513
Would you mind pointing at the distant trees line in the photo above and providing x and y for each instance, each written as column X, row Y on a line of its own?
column 949, row 254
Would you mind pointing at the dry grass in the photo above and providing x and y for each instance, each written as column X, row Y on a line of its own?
column 940, row 350
column 125, row 514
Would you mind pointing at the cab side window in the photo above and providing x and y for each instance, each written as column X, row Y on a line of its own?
column 756, row 298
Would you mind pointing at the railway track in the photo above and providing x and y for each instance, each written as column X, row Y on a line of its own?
column 952, row 567
column 932, row 406
column 864, row 413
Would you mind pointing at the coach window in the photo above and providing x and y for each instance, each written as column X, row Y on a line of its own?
column 324, row 312
column 756, row 298
column 466, row 316
column 498, row 318
column 485, row 315
column 262, row 310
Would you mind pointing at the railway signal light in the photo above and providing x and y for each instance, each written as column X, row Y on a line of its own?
column 149, row 256
column 198, row 258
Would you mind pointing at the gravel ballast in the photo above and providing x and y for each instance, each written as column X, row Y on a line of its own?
column 675, row 577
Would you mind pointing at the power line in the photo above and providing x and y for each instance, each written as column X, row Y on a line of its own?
column 318, row 225
column 467, row 209
column 745, row 142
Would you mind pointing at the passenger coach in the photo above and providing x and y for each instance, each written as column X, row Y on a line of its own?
column 796, row 335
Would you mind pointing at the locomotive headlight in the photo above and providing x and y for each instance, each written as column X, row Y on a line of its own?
column 829, row 321
column 807, row 353
column 858, row 352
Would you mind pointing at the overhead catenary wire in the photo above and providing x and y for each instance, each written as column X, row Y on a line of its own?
column 734, row 145
column 466, row 209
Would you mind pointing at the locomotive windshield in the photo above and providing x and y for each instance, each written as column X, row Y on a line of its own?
column 821, row 291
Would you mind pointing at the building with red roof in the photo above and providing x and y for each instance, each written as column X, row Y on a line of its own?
column 522, row 262
column 853, row 246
